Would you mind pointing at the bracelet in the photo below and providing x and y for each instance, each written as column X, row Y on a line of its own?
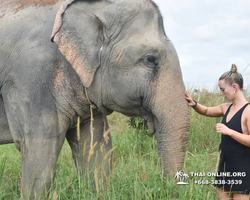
column 195, row 104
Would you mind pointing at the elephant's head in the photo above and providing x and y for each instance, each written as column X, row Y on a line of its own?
column 121, row 53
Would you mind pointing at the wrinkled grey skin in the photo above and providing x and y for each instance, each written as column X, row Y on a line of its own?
column 117, row 50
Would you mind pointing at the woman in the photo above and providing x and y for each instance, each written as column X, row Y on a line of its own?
column 233, row 179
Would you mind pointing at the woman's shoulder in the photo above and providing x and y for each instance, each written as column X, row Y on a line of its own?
column 246, row 112
column 247, row 109
column 225, row 106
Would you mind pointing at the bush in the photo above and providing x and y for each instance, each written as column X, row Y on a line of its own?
column 139, row 124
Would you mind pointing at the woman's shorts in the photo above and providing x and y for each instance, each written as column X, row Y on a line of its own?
column 234, row 171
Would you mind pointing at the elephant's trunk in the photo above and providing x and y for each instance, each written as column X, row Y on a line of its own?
column 171, row 118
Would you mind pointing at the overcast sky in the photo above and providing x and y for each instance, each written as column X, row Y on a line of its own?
column 209, row 36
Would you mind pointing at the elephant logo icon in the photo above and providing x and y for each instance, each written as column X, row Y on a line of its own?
column 181, row 177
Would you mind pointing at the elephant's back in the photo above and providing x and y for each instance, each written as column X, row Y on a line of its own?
column 14, row 6
column 26, row 28
column 23, row 18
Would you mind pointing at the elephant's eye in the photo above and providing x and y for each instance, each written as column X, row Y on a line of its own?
column 151, row 61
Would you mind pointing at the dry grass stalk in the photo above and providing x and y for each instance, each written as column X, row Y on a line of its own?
column 91, row 151
column 55, row 196
column 96, row 180
column 105, row 135
column 22, row 188
column 78, row 129
column 110, row 151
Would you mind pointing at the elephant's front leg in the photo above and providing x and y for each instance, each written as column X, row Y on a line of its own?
column 92, row 152
column 34, row 124
column 39, row 158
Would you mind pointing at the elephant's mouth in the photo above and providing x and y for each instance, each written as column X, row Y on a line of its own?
column 150, row 123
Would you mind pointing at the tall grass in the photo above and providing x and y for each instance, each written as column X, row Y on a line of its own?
column 136, row 172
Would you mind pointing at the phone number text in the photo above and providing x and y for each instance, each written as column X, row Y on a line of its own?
column 219, row 182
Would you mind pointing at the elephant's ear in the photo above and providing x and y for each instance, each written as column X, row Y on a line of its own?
column 79, row 38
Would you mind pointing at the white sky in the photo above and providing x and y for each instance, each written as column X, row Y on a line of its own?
column 209, row 36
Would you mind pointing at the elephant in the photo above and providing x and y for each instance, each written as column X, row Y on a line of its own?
column 65, row 65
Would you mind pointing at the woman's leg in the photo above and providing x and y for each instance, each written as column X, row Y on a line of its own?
column 241, row 196
column 223, row 194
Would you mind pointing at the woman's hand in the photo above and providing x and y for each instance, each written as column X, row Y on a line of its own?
column 222, row 128
column 189, row 99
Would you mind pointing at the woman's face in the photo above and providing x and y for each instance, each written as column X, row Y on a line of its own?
column 226, row 90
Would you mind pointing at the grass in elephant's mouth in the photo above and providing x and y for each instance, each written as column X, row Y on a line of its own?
column 136, row 172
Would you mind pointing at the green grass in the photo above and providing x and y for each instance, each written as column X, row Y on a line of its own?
column 136, row 172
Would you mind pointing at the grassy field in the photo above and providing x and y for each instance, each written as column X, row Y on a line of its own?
column 136, row 172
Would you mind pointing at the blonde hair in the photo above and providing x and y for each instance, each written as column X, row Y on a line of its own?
column 233, row 76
